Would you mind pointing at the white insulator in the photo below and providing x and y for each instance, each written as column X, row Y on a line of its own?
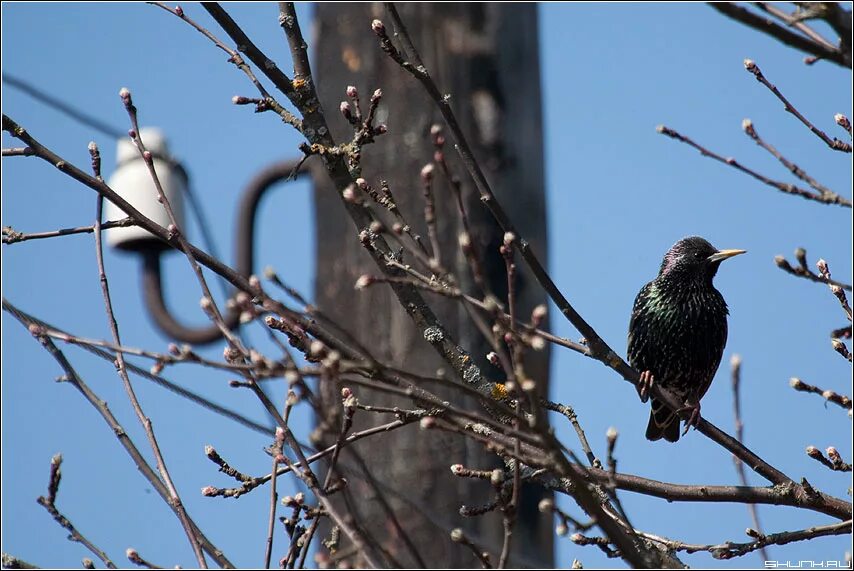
column 134, row 182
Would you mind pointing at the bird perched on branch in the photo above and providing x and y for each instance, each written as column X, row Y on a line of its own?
column 678, row 331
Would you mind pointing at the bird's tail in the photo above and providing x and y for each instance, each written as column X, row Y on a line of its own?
column 662, row 423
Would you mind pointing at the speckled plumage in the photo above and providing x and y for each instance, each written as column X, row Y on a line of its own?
column 678, row 329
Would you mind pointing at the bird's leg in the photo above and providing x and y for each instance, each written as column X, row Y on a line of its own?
column 644, row 385
column 694, row 418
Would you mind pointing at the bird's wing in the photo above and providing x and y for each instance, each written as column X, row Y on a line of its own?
column 721, row 343
column 638, row 325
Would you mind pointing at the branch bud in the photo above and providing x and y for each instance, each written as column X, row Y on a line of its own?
column 509, row 238
column 346, row 111
column 538, row 314
column 833, row 454
column 378, row 27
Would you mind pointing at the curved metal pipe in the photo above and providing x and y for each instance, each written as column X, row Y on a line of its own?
column 152, row 285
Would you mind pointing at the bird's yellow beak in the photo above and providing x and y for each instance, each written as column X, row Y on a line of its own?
column 724, row 254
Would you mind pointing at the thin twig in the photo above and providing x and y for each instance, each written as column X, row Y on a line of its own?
column 402, row 533
column 794, row 22
column 671, row 492
column 92, row 347
column 18, row 152
column 208, row 303
column 518, row 380
column 611, row 487
column 835, row 289
column 137, row 559
column 349, row 404
column 788, row 188
column 49, row 503
column 781, row 33
column 468, row 239
column 174, row 498
column 803, row 270
column 830, row 396
column 750, row 130
column 271, row 522
column 728, row 550
column 833, row 460
column 75, row 380
column 234, row 57
column 11, row 236
column 459, row 536
column 430, row 214
column 548, row 505
column 735, row 364
column 834, row 143
column 570, row 415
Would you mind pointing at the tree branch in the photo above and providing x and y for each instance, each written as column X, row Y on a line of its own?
column 599, row 349
column 782, row 34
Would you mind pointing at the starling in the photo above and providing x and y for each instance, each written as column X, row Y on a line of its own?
column 678, row 331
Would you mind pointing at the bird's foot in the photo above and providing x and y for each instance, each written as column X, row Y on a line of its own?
column 644, row 385
column 693, row 419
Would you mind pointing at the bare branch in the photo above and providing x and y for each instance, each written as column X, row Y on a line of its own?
column 174, row 498
column 728, row 550
column 77, row 382
column 834, row 143
column 750, row 129
column 803, row 270
column 835, row 289
column 833, row 460
column 830, row 396
column 49, row 503
column 781, row 186
column 735, row 364
column 459, row 536
column 599, row 349
column 137, row 559
column 782, row 34
column 18, row 152
column 12, row 236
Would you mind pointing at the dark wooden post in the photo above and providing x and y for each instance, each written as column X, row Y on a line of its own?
column 486, row 57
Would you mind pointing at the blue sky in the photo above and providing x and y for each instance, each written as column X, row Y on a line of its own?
column 619, row 195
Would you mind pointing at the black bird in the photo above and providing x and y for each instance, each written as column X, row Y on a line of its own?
column 678, row 331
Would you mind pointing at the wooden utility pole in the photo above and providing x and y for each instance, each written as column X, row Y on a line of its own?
column 486, row 57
